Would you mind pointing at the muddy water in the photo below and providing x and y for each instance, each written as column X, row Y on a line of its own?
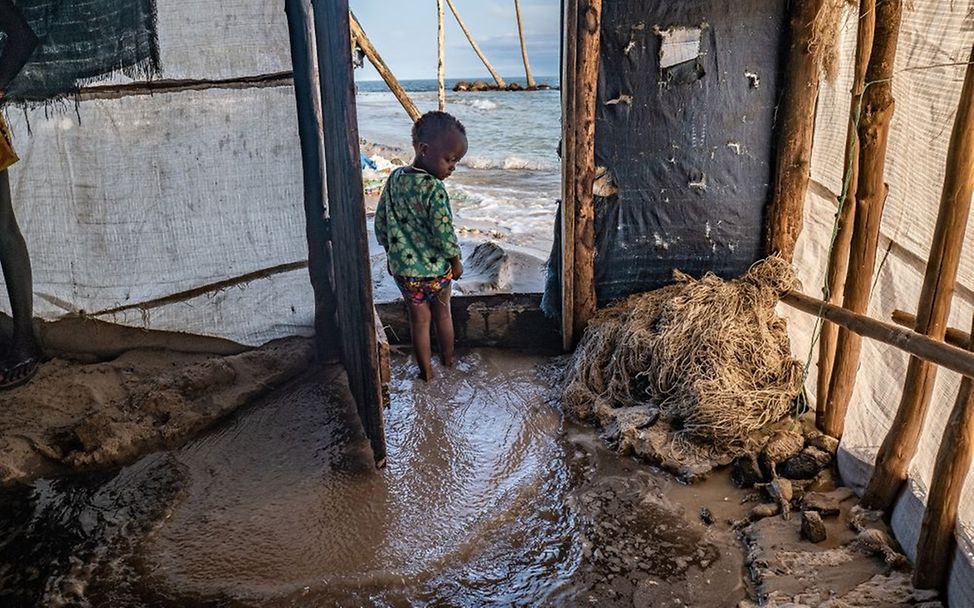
column 488, row 499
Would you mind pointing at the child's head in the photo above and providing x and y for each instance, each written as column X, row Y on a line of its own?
column 440, row 141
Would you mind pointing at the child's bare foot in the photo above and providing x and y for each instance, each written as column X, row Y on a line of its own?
column 448, row 361
column 426, row 375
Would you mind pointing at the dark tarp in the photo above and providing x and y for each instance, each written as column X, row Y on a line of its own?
column 689, row 146
column 81, row 40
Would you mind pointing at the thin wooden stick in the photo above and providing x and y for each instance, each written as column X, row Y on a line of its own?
column 937, row 543
column 586, row 91
column 839, row 253
column 957, row 337
column 568, row 206
column 958, row 359
column 524, row 49
column 440, row 44
column 795, row 130
column 871, row 193
column 901, row 442
column 473, row 43
column 380, row 66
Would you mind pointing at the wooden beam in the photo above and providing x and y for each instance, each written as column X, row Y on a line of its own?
column 794, row 131
column 583, row 120
column 877, row 112
column 568, row 206
column 308, row 98
column 380, row 66
column 346, row 202
column 957, row 337
column 839, row 252
column 440, row 50
column 937, row 543
column 529, row 79
column 957, row 359
column 901, row 442
column 476, row 49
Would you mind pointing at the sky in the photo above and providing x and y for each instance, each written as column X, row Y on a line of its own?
column 404, row 33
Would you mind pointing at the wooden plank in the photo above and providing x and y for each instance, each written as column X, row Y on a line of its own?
column 900, row 445
column 380, row 66
column 346, row 203
column 877, row 112
column 569, row 57
column 918, row 345
column 957, row 337
column 839, row 252
column 937, row 543
column 385, row 358
column 586, row 91
column 796, row 126
column 528, row 77
column 440, row 44
column 476, row 48
column 308, row 98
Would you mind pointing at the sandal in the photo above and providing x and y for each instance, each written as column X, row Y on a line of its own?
column 19, row 373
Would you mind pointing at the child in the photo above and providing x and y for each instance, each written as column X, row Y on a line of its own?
column 414, row 223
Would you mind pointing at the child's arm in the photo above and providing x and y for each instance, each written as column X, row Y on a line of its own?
column 441, row 217
column 21, row 42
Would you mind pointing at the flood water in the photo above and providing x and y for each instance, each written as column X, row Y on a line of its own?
column 488, row 499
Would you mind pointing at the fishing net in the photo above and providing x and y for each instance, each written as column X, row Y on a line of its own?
column 711, row 354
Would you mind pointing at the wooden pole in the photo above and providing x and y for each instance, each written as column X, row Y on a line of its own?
column 586, row 92
column 524, row 49
column 794, row 132
column 473, row 43
column 440, row 44
column 957, row 359
column 877, row 112
column 380, row 66
column 839, row 253
column 901, row 442
column 937, row 543
column 568, row 207
column 954, row 336
column 308, row 99
column 346, row 202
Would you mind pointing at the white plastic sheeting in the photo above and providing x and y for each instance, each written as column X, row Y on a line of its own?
column 936, row 37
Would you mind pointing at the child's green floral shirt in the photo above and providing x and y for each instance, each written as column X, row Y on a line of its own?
column 414, row 223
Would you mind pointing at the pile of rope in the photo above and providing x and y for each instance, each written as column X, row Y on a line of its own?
column 711, row 354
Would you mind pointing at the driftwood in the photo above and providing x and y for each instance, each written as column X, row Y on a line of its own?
column 363, row 42
column 440, row 70
column 529, row 79
column 473, row 43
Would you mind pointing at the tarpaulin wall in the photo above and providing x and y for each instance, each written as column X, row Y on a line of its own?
column 130, row 198
column 935, row 41
column 684, row 124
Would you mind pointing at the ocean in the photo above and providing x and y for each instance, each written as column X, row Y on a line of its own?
column 509, row 182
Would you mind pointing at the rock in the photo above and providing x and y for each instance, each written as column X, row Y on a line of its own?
column 877, row 542
column 765, row 510
column 825, row 481
column 813, row 528
column 706, row 516
column 824, row 504
column 780, row 447
column 479, row 85
column 514, row 86
column 745, row 471
column 827, row 444
column 488, row 269
column 461, row 86
column 781, row 491
column 806, row 464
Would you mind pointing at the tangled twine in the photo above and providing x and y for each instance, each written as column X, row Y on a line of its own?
column 711, row 354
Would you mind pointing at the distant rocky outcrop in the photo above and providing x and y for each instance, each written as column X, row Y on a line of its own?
column 480, row 85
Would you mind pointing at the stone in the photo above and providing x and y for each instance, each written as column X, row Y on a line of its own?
column 825, row 443
column 745, row 471
column 813, row 528
column 824, row 504
column 780, row 447
column 765, row 510
column 706, row 516
column 806, row 464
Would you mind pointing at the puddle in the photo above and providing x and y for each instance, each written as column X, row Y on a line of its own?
column 488, row 499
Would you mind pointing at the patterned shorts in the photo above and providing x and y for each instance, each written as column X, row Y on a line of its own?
column 422, row 290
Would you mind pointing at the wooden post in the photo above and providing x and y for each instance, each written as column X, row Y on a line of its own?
column 568, row 207
column 586, row 91
column 440, row 44
column 796, row 126
column 901, row 442
column 524, row 49
column 935, row 548
column 476, row 49
column 839, row 253
column 940, row 353
column 308, row 98
column 380, row 66
column 346, row 201
column 877, row 111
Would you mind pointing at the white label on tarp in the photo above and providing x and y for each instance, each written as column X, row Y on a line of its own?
column 680, row 44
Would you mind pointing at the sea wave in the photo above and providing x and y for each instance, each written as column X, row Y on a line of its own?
column 510, row 163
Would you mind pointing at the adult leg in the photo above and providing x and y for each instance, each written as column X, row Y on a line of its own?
column 16, row 272
column 443, row 318
column 419, row 326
